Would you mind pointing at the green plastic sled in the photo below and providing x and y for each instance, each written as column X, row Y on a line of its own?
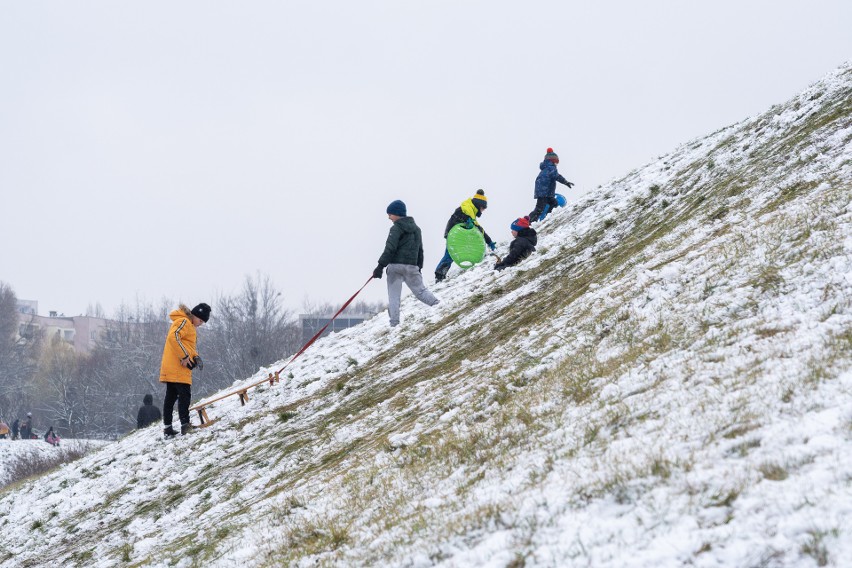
column 466, row 246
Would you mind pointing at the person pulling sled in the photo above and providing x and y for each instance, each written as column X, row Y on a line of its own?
column 403, row 257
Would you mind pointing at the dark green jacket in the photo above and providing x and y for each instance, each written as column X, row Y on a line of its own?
column 404, row 244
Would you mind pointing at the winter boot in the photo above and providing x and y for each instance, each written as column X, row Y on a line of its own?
column 186, row 428
column 168, row 431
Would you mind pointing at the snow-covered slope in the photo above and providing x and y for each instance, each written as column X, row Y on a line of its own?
column 27, row 456
column 666, row 382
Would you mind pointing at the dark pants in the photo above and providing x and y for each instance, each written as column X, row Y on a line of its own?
column 541, row 206
column 443, row 266
column 181, row 393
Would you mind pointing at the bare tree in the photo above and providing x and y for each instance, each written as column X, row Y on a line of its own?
column 249, row 330
column 95, row 311
column 124, row 366
column 18, row 357
column 59, row 387
column 319, row 308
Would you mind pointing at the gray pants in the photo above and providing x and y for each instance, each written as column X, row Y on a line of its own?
column 410, row 274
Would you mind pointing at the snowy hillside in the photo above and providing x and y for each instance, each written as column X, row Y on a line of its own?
column 26, row 456
column 666, row 382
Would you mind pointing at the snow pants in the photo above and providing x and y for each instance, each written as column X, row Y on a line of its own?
column 541, row 206
column 180, row 393
column 410, row 274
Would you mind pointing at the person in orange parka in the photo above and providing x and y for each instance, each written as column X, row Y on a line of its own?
column 180, row 357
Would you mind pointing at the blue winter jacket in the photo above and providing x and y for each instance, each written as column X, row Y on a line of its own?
column 545, row 182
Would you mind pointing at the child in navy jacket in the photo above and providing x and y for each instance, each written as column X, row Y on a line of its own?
column 545, row 186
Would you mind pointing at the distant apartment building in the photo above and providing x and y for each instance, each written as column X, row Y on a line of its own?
column 80, row 331
column 311, row 323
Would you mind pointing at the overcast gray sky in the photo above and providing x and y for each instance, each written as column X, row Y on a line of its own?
column 168, row 149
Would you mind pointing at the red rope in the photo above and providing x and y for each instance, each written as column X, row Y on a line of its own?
column 320, row 332
column 200, row 407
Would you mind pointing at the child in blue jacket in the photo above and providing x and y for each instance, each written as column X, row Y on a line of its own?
column 545, row 186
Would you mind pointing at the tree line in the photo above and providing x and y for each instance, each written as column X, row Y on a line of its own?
column 97, row 394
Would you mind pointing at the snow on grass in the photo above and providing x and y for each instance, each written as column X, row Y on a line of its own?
column 665, row 382
column 24, row 458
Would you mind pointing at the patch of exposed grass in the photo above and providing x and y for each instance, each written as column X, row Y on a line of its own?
column 724, row 498
column 308, row 538
column 768, row 280
column 815, row 546
column 83, row 557
column 286, row 415
column 773, row 471
column 115, row 496
column 739, row 429
column 126, row 551
column 661, row 467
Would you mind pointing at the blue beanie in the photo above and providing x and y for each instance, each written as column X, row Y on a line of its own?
column 397, row 208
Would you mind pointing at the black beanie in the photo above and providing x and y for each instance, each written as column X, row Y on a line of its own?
column 201, row 311
column 479, row 200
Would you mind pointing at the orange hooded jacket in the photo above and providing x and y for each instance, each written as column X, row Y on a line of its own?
column 180, row 343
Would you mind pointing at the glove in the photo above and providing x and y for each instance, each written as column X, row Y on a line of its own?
column 569, row 184
column 498, row 267
column 377, row 273
column 468, row 224
column 196, row 362
column 492, row 245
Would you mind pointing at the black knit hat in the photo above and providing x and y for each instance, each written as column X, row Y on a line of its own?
column 201, row 311
column 479, row 200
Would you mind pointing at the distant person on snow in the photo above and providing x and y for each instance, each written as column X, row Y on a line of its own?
column 545, row 186
column 403, row 257
column 465, row 214
column 523, row 245
column 27, row 427
column 180, row 357
column 15, row 428
column 51, row 437
column 4, row 430
column 148, row 413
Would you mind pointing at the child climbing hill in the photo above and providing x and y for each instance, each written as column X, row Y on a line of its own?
column 466, row 214
column 545, row 186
